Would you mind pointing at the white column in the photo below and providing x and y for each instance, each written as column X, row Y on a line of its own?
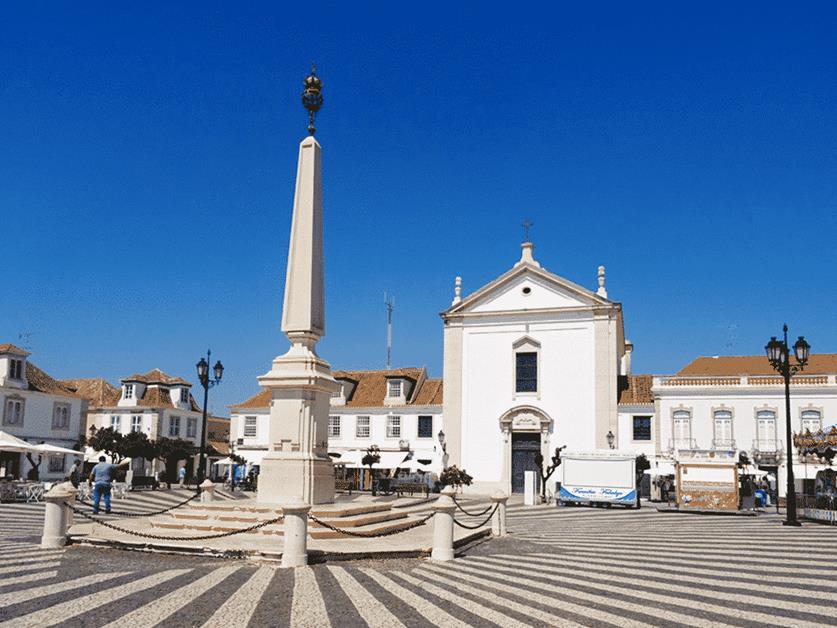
column 207, row 491
column 498, row 520
column 443, row 526
column 56, row 517
column 295, row 549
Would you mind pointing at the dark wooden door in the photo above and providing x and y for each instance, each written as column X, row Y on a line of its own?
column 524, row 448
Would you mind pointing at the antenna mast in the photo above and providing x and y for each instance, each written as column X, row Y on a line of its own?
column 389, row 301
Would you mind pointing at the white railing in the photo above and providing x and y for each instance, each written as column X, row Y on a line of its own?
column 752, row 381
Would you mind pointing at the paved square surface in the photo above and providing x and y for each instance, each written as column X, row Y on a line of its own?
column 571, row 566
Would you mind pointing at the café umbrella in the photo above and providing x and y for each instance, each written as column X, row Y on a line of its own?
column 15, row 444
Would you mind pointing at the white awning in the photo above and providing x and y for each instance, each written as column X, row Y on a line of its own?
column 46, row 448
column 391, row 460
column 423, row 462
column 13, row 443
column 660, row 468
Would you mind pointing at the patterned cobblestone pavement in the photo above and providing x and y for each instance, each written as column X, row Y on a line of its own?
column 570, row 566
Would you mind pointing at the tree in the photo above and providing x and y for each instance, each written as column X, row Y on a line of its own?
column 546, row 472
column 173, row 450
column 108, row 440
column 137, row 445
column 372, row 457
column 642, row 465
column 33, row 474
column 455, row 477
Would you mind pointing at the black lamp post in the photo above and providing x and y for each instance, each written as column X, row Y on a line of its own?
column 778, row 354
column 610, row 439
column 443, row 445
column 207, row 383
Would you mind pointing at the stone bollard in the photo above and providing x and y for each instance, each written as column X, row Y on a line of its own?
column 498, row 520
column 207, row 491
column 295, row 550
column 56, row 517
column 443, row 526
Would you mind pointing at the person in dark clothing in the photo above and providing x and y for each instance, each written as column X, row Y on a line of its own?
column 102, row 476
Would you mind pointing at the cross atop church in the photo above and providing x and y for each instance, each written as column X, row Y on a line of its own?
column 526, row 224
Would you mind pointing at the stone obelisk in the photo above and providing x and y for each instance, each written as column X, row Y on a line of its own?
column 297, row 466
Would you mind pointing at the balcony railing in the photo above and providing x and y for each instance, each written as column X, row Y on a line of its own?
column 767, row 445
column 723, row 443
column 682, row 443
column 751, row 381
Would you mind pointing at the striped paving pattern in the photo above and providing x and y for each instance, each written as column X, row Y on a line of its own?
column 568, row 567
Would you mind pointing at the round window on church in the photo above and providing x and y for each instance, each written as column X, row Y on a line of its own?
column 527, row 291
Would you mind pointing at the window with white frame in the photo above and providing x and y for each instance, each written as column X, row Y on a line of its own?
column 13, row 411
column 15, row 369
column 334, row 427
column 338, row 393
column 136, row 423
column 425, row 427
column 722, row 425
column 184, row 395
column 191, row 427
column 394, row 388
column 641, row 428
column 766, row 430
column 56, row 464
column 682, row 432
column 811, row 421
column 250, row 426
column 174, row 426
column 116, row 423
column 129, row 391
column 362, row 429
column 60, row 416
column 393, row 426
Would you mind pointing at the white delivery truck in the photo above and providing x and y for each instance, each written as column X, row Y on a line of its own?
column 598, row 478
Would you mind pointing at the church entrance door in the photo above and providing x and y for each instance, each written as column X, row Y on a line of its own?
column 525, row 445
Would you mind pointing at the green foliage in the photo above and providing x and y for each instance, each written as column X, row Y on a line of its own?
column 455, row 477
column 373, row 456
column 108, row 440
column 172, row 450
column 237, row 459
column 137, row 445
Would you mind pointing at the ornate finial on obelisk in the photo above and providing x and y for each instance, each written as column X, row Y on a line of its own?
column 312, row 96
column 602, row 291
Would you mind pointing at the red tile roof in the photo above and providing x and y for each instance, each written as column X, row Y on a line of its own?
column 819, row 364
column 41, row 382
column 97, row 391
column 635, row 390
column 10, row 348
column 156, row 376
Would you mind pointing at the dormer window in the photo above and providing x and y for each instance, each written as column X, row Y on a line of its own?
column 184, row 395
column 15, row 369
column 394, row 388
column 129, row 391
column 337, row 393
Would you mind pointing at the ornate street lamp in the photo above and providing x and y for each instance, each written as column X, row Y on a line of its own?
column 203, row 376
column 443, row 444
column 610, row 439
column 778, row 354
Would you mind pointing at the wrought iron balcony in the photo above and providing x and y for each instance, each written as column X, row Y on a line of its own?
column 675, row 444
column 767, row 445
column 727, row 444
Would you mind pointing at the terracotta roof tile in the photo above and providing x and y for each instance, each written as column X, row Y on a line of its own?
column 222, row 447
column 259, row 400
column 156, row 376
column 823, row 363
column 430, row 393
column 97, row 391
column 10, row 348
column 635, row 389
column 41, row 382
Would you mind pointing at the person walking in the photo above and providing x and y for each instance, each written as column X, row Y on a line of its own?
column 181, row 476
column 75, row 473
column 102, row 476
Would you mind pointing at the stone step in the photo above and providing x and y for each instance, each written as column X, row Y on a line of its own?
column 360, row 520
column 348, row 510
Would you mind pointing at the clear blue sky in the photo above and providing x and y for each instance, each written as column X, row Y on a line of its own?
column 147, row 158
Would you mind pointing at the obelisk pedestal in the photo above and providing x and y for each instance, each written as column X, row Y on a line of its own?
column 297, row 467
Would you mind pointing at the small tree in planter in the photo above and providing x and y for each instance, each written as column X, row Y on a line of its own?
column 372, row 457
column 455, row 477
column 173, row 450
column 34, row 473
column 546, row 472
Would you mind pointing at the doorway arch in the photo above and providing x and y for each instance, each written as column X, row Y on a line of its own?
column 525, row 430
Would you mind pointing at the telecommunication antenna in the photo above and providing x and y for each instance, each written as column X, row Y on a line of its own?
column 389, row 301
column 25, row 337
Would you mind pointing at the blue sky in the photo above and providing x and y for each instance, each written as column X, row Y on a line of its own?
column 148, row 157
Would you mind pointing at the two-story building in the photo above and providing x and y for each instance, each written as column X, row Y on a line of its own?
column 737, row 403
column 398, row 410
column 154, row 403
column 37, row 409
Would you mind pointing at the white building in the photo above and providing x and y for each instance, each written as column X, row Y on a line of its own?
column 38, row 409
column 154, row 403
column 398, row 410
column 737, row 403
column 532, row 362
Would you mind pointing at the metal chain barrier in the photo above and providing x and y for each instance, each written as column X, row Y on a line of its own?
column 370, row 535
column 487, row 519
column 472, row 514
column 147, row 514
column 202, row 537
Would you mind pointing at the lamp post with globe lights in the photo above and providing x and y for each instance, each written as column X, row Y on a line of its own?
column 778, row 353
column 207, row 383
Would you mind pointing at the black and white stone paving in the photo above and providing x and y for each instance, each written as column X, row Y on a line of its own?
column 566, row 567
